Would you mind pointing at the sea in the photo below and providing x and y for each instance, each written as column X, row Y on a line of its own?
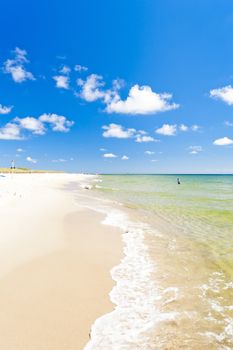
column 174, row 286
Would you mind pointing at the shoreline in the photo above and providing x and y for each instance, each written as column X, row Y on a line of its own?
column 52, row 291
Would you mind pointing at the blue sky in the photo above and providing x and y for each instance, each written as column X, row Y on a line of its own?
column 117, row 86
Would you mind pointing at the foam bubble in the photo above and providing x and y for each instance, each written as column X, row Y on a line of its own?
column 219, row 312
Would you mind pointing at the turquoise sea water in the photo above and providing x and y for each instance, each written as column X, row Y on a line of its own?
column 191, row 246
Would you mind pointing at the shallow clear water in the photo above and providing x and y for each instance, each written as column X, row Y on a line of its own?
column 190, row 244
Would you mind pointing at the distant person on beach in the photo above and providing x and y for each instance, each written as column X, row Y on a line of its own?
column 178, row 181
column 12, row 164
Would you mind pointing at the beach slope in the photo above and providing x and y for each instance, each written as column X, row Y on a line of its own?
column 55, row 258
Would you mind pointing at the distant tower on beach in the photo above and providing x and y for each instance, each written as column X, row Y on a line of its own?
column 12, row 164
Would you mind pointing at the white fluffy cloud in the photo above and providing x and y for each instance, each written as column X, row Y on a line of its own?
column 79, row 68
column 10, row 131
column 62, row 81
column 5, row 109
column 109, row 155
column 125, row 158
column 225, row 94
column 32, row 124
column 185, row 128
column 145, row 138
column 195, row 149
column 115, row 130
column 16, row 66
column 225, row 141
column 19, row 150
column 118, row 131
column 167, row 130
column 65, row 70
column 31, row 160
column 91, row 88
column 141, row 100
column 58, row 122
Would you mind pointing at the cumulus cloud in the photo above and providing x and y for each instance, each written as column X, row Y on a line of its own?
column 125, row 158
column 183, row 127
column 167, row 130
column 225, row 141
column 35, row 125
column 19, row 150
column 31, row 160
column 16, row 66
column 109, row 155
column 65, row 70
column 62, row 81
column 195, row 149
column 32, row 124
column 149, row 153
column 10, row 131
column 90, row 88
column 58, row 122
column 5, row 109
column 145, row 138
column 141, row 100
column 224, row 94
column 115, row 130
column 142, row 132
column 118, row 131
column 79, row 68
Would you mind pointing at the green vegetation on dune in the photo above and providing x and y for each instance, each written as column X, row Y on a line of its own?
column 27, row 171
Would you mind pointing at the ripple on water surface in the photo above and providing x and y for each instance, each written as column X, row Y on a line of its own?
column 175, row 285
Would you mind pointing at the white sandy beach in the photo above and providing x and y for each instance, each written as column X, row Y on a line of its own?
column 55, row 258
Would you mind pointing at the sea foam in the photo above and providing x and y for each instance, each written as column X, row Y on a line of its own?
column 135, row 294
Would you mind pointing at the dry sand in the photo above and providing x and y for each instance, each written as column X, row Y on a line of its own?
column 54, row 265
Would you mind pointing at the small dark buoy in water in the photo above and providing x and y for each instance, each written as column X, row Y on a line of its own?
column 178, row 181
